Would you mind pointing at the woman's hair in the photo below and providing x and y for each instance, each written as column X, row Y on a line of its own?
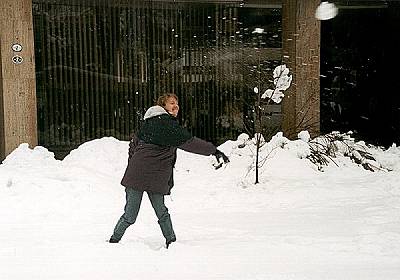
column 162, row 99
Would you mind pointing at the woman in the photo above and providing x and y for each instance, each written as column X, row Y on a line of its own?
column 152, row 156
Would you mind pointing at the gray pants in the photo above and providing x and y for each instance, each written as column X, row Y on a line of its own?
column 132, row 206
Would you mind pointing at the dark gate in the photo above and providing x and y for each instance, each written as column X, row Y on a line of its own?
column 100, row 64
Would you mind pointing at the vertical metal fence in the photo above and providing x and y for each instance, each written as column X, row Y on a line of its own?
column 100, row 64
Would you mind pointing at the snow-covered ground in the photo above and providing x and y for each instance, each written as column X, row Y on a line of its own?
column 298, row 223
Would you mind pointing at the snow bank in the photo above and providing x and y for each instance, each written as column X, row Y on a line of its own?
column 297, row 223
column 23, row 156
column 106, row 156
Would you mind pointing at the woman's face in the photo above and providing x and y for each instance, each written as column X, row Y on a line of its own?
column 172, row 106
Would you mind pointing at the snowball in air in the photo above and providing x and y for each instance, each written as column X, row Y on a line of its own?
column 326, row 11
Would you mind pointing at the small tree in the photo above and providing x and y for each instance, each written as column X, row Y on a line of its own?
column 256, row 67
column 281, row 81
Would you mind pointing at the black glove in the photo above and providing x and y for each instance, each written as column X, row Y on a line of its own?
column 218, row 155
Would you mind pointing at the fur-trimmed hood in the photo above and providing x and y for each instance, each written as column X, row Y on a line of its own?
column 154, row 111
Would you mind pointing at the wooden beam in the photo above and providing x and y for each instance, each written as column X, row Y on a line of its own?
column 301, row 53
column 18, row 121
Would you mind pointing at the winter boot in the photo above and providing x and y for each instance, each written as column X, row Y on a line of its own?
column 168, row 242
column 112, row 240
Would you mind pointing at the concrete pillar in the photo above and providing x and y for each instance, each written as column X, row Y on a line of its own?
column 301, row 35
column 18, row 116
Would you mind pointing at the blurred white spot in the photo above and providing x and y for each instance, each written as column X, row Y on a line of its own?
column 326, row 11
column 258, row 30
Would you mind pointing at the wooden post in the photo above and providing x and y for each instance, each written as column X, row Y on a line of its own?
column 301, row 53
column 18, row 116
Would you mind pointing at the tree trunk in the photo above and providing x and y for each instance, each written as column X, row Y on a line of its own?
column 17, row 76
column 258, row 140
column 301, row 54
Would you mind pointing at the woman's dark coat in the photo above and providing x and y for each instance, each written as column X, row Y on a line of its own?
column 152, row 152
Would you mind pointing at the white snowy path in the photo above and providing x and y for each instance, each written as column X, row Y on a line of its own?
column 340, row 224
